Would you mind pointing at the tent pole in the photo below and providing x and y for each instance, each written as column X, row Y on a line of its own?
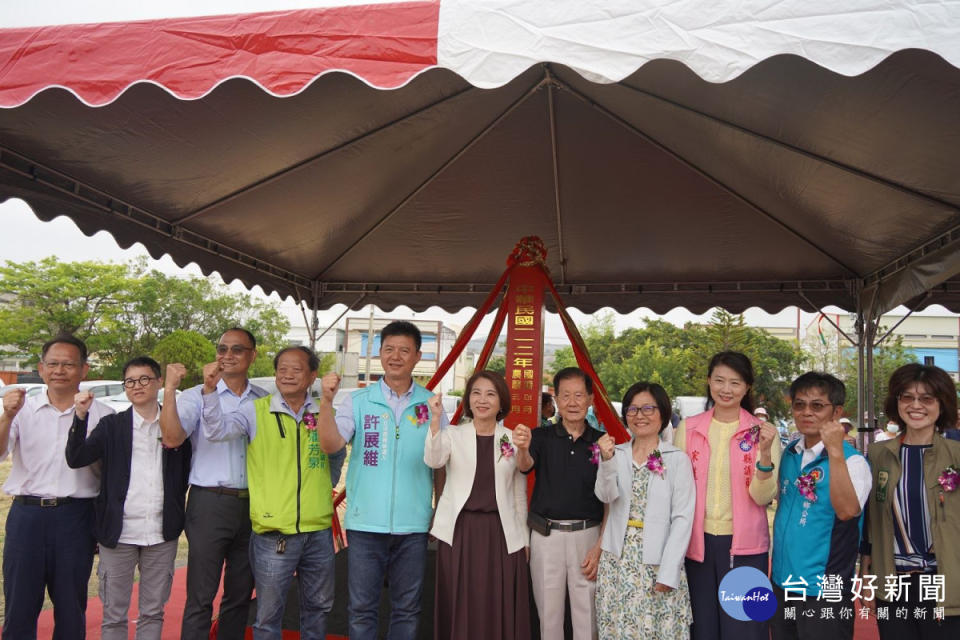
column 314, row 321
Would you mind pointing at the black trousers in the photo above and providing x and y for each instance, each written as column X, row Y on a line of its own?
column 47, row 548
column 710, row 622
column 218, row 530
column 812, row 619
column 902, row 620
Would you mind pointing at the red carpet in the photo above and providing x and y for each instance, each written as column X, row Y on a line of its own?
column 865, row 629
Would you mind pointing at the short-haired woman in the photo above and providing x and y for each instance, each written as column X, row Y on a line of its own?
column 642, row 587
column 482, row 575
column 913, row 513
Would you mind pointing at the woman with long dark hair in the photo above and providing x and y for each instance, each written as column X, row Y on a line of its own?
column 734, row 455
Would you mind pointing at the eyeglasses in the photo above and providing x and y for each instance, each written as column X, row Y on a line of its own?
column 130, row 383
column 235, row 349
column 647, row 410
column 68, row 365
column 925, row 399
column 800, row 406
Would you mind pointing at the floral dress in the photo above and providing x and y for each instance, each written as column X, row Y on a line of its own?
column 627, row 605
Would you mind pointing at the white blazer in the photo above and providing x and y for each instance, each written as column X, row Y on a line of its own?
column 668, row 518
column 456, row 448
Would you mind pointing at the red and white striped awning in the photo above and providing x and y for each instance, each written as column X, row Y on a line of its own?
column 691, row 152
column 487, row 42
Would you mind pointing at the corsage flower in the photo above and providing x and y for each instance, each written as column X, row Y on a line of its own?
column 310, row 421
column 950, row 478
column 750, row 438
column 655, row 462
column 595, row 453
column 422, row 413
column 506, row 449
column 807, row 485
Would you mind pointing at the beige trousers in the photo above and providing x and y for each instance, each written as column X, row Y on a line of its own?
column 554, row 569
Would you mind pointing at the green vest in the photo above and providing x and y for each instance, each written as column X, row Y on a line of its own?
column 289, row 475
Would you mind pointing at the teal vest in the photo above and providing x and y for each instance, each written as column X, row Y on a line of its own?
column 389, row 488
column 289, row 475
column 808, row 538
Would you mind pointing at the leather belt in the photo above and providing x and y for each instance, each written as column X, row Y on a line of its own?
column 37, row 501
column 572, row 525
column 224, row 491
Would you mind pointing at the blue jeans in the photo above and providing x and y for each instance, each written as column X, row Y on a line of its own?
column 311, row 556
column 401, row 558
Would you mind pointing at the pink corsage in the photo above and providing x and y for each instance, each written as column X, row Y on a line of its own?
column 506, row 449
column 595, row 453
column 309, row 421
column 422, row 413
column 807, row 485
column 950, row 478
column 655, row 462
column 750, row 438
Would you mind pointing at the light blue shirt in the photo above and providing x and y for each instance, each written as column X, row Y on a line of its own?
column 397, row 402
column 216, row 464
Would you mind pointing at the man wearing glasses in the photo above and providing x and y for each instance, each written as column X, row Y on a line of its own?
column 218, row 512
column 49, row 543
column 139, row 511
column 824, row 483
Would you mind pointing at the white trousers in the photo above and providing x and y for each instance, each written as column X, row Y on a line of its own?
column 555, row 569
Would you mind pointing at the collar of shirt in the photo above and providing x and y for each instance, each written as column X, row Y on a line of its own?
column 389, row 394
column 589, row 434
column 140, row 422
column 278, row 404
column 249, row 389
column 43, row 400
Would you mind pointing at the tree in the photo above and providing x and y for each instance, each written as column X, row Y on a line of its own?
column 677, row 357
column 889, row 356
column 124, row 310
column 189, row 348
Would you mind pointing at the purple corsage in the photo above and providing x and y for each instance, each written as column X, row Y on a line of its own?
column 422, row 413
column 950, row 478
column 807, row 485
column 595, row 453
column 506, row 449
column 750, row 438
column 655, row 463
column 310, row 421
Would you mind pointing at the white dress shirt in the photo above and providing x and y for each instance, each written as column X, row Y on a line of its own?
column 857, row 467
column 38, row 440
column 143, row 507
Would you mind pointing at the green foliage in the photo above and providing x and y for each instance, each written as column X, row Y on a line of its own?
column 677, row 357
column 458, row 393
column 189, row 348
column 497, row 364
column 123, row 310
column 887, row 358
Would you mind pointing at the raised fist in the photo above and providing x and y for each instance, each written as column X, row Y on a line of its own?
column 521, row 436
column 329, row 385
column 82, row 402
column 211, row 376
column 606, row 445
column 13, row 402
column 435, row 402
column 176, row 372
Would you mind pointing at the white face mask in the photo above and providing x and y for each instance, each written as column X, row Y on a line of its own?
column 893, row 427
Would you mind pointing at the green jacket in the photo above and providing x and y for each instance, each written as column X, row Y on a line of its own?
column 884, row 460
column 289, row 475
